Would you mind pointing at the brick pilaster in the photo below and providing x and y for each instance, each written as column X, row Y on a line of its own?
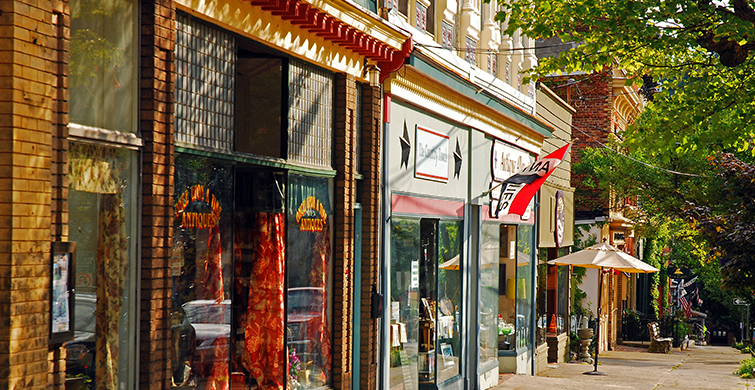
column 371, row 130
column 61, row 23
column 27, row 76
column 343, row 248
column 156, row 126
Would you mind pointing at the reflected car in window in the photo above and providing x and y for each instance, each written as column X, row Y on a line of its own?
column 80, row 350
column 212, row 323
column 305, row 310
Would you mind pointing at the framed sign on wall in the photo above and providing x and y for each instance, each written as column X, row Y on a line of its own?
column 62, row 291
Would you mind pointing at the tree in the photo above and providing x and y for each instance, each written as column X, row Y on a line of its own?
column 699, row 52
column 727, row 219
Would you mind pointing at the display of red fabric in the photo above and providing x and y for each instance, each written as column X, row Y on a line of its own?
column 264, row 337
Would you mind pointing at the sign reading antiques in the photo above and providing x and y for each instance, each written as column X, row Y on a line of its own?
column 431, row 158
column 311, row 215
column 197, row 216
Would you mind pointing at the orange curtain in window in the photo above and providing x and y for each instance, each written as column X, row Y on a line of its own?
column 212, row 288
column 319, row 278
column 264, row 337
column 111, row 274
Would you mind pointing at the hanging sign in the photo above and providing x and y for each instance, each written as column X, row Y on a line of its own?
column 311, row 215
column 198, row 219
column 560, row 218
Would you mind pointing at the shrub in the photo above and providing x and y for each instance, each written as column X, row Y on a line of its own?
column 745, row 368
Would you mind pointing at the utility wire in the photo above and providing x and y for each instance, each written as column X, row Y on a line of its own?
column 616, row 151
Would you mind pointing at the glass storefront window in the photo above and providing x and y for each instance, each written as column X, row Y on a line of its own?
column 425, row 295
column 309, row 278
column 448, row 348
column 103, row 64
column 491, row 269
column 524, row 235
column 508, row 321
column 404, row 301
column 201, row 272
column 541, row 301
column 562, row 300
column 102, row 222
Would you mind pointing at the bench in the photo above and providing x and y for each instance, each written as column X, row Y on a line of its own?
column 657, row 343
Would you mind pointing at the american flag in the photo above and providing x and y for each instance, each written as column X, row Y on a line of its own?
column 686, row 306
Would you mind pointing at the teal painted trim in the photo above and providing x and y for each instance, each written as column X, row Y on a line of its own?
column 468, row 89
column 258, row 161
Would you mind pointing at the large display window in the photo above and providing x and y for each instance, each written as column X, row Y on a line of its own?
column 513, row 284
column 102, row 221
column 252, row 277
column 201, row 272
column 425, row 296
column 309, row 280
column 491, row 272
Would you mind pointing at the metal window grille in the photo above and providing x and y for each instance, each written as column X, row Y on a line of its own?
column 310, row 119
column 205, row 96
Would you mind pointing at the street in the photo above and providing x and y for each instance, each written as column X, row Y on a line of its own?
column 699, row 367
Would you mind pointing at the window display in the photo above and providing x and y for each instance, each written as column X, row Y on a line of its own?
column 201, row 272
column 492, row 278
column 508, row 323
column 524, row 251
column 404, row 302
column 102, row 220
column 425, row 298
column 309, row 275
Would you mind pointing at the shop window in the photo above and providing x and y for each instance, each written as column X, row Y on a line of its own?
column 102, row 215
column 259, row 97
column 201, row 272
column 524, row 299
column 492, row 278
column 425, row 299
column 562, row 294
column 103, row 64
column 541, row 300
column 515, row 278
column 309, row 280
column 507, row 267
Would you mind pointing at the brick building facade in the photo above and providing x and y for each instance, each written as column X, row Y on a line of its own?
column 91, row 155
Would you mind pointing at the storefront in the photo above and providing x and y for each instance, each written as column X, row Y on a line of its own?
column 455, row 272
column 218, row 220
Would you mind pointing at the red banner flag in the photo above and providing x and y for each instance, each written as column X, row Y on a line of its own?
column 520, row 188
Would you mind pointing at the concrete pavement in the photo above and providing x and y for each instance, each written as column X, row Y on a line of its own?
column 698, row 367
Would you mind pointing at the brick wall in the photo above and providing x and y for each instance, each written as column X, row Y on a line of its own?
column 343, row 249
column 156, row 126
column 28, row 45
column 591, row 97
column 371, row 131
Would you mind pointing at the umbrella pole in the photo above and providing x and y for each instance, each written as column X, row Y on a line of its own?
column 597, row 326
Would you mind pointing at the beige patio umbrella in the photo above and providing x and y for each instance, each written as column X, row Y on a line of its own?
column 603, row 256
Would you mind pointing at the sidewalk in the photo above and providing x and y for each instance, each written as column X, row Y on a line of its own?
column 699, row 367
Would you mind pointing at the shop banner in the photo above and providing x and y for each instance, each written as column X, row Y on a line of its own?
column 518, row 190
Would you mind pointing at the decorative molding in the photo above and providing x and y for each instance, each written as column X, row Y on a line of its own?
column 421, row 91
